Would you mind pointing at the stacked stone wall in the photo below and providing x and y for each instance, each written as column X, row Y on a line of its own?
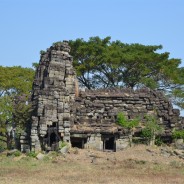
column 96, row 111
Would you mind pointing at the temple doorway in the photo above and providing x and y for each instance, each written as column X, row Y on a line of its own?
column 78, row 142
column 51, row 139
column 109, row 142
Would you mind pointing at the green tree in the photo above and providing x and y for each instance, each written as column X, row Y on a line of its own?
column 106, row 63
column 15, row 80
column 87, row 55
column 15, row 87
column 102, row 63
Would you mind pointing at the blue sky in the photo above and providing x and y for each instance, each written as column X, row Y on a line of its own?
column 28, row 26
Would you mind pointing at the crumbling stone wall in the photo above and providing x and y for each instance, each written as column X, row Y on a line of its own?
column 59, row 106
column 95, row 114
column 96, row 111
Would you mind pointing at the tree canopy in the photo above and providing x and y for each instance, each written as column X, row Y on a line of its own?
column 15, row 87
column 102, row 63
column 15, row 80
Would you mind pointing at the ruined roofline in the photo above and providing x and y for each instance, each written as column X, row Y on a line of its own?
column 61, row 46
column 123, row 92
column 128, row 93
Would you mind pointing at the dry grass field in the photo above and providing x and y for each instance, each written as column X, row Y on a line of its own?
column 136, row 165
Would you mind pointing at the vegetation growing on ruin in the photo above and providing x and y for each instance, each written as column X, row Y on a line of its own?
column 130, row 124
column 151, row 129
column 178, row 134
column 123, row 121
column 62, row 144
column 42, row 52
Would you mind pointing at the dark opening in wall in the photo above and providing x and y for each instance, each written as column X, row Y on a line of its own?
column 52, row 138
column 78, row 142
column 54, row 124
column 54, row 141
column 109, row 143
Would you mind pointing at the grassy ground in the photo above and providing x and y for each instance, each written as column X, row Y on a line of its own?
column 136, row 165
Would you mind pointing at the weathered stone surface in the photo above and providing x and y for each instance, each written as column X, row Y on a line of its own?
column 122, row 143
column 103, row 105
column 12, row 152
column 40, row 156
column 53, row 91
column 64, row 150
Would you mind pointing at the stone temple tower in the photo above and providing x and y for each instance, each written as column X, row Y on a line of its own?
column 53, row 95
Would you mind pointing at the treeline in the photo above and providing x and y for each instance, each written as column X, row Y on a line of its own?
column 99, row 63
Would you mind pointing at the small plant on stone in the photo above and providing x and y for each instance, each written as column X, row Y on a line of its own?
column 151, row 130
column 62, row 144
column 32, row 154
column 126, row 123
column 158, row 141
column 178, row 134
column 42, row 52
column 130, row 124
column 121, row 119
column 17, row 153
column 56, row 43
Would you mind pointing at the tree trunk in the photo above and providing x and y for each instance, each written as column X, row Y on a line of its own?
column 9, row 141
column 130, row 138
column 152, row 141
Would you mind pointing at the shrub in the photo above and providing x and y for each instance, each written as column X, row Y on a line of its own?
column 121, row 119
column 178, row 134
column 42, row 52
column 126, row 123
column 146, row 133
column 16, row 153
column 1, row 148
column 3, row 144
column 158, row 141
column 57, row 43
column 62, row 144
column 151, row 130
column 31, row 154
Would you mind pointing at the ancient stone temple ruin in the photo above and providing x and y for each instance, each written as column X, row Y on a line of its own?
column 86, row 119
